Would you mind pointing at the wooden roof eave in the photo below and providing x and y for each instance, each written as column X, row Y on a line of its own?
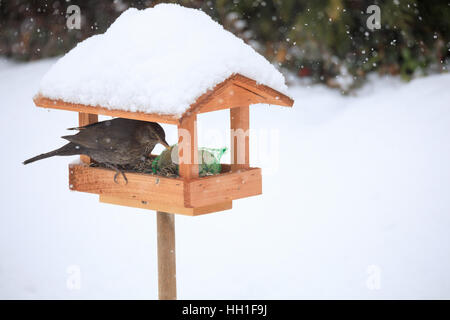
column 236, row 91
column 44, row 102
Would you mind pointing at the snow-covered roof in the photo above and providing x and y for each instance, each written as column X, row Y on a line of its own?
column 157, row 60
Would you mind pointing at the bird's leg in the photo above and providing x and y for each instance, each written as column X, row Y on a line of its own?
column 117, row 172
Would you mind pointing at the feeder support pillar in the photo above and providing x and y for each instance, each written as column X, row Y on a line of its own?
column 167, row 281
column 83, row 120
column 188, row 148
column 240, row 138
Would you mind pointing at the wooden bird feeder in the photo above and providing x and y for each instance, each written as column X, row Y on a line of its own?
column 189, row 194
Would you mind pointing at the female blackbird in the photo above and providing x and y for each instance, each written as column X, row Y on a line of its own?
column 113, row 142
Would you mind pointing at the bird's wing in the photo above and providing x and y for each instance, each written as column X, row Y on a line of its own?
column 85, row 141
column 104, row 135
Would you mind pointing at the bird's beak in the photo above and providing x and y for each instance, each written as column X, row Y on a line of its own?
column 164, row 143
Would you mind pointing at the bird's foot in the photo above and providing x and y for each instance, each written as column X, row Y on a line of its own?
column 123, row 175
column 117, row 173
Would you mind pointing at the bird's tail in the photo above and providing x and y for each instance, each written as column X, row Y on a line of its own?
column 69, row 149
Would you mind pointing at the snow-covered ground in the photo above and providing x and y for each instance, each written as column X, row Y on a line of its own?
column 356, row 204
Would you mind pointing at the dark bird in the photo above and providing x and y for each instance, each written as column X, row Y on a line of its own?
column 114, row 143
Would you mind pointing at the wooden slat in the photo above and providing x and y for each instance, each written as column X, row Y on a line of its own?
column 193, row 197
column 272, row 96
column 44, row 102
column 238, row 91
column 227, row 205
column 240, row 141
column 83, row 120
column 231, row 96
column 187, row 148
column 225, row 187
column 167, row 272
column 143, row 187
column 246, row 91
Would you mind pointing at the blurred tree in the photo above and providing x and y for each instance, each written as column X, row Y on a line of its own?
column 327, row 40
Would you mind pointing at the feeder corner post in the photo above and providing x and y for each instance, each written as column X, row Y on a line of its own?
column 83, row 120
column 188, row 147
column 240, row 140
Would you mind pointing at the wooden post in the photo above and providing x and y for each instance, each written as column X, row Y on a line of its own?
column 188, row 152
column 240, row 141
column 187, row 148
column 167, row 282
column 83, row 120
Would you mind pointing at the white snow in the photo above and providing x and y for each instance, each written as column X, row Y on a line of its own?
column 359, row 192
column 157, row 60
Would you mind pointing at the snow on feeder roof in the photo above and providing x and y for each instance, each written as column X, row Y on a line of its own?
column 158, row 64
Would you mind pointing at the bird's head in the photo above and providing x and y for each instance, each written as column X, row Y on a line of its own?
column 157, row 133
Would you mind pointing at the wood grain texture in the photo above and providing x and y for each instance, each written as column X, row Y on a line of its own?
column 155, row 206
column 143, row 187
column 188, row 148
column 272, row 96
column 44, row 102
column 229, row 96
column 240, row 140
column 167, row 274
column 225, row 187
column 83, row 120
column 236, row 91
column 189, row 197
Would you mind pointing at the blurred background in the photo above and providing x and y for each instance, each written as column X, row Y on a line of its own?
column 323, row 40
